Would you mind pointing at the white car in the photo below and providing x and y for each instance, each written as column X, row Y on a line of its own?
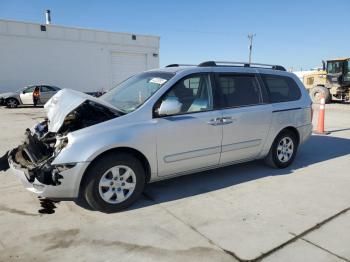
column 25, row 95
column 160, row 124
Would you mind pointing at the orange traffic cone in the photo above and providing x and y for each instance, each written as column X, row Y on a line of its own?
column 321, row 114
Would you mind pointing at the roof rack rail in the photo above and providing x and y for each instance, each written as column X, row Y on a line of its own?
column 177, row 65
column 243, row 64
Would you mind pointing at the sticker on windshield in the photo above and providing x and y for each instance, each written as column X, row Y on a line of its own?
column 157, row 80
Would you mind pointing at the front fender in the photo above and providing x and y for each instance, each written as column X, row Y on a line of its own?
column 86, row 146
column 17, row 97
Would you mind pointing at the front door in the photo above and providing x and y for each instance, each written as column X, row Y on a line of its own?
column 27, row 95
column 246, row 117
column 191, row 138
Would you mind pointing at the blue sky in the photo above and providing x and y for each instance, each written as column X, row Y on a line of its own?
column 296, row 34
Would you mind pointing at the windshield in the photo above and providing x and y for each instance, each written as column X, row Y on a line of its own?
column 23, row 88
column 133, row 92
column 335, row 67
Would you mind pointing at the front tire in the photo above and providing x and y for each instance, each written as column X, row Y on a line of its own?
column 11, row 102
column 114, row 182
column 283, row 150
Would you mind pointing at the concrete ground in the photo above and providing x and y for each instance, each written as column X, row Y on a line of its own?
column 243, row 212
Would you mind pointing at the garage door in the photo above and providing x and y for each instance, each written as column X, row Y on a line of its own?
column 125, row 65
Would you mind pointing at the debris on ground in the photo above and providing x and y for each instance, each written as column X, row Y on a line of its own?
column 4, row 164
column 48, row 206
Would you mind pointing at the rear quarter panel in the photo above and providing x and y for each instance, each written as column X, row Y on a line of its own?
column 295, row 114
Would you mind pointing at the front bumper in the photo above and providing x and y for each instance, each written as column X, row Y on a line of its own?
column 69, row 187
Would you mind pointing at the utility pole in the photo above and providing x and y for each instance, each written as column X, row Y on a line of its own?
column 250, row 37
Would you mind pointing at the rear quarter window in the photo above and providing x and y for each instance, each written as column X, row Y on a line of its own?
column 239, row 90
column 281, row 88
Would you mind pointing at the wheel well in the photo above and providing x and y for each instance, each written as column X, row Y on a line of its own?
column 123, row 150
column 322, row 86
column 294, row 130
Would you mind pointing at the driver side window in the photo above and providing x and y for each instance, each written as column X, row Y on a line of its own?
column 192, row 93
column 29, row 90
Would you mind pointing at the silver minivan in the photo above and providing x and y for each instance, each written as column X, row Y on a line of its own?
column 160, row 124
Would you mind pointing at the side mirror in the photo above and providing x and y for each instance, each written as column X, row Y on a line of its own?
column 169, row 107
column 23, row 92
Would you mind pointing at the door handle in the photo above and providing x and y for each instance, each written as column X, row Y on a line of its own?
column 221, row 121
column 214, row 121
column 227, row 120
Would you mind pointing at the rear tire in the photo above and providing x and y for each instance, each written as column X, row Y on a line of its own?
column 283, row 150
column 317, row 91
column 114, row 182
column 12, row 102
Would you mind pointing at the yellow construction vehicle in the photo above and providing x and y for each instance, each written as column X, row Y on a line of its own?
column 333, row 82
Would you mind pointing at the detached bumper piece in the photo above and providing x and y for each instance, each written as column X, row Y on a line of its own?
column 34, row 158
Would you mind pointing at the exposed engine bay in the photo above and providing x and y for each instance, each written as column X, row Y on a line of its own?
column 41, row 146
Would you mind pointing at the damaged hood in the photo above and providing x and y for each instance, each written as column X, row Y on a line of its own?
column 64, row 102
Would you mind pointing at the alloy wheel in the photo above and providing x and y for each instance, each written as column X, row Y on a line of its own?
column 12, row 103
column 285, row 149
column 117, row 184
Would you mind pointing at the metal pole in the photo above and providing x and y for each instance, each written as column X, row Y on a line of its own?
column 48, row 17
column 250, row 37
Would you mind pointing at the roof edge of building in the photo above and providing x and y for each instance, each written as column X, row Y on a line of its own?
column 78, row 28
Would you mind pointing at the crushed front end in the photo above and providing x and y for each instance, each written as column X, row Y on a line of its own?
column 35, row 156
column 33, row 162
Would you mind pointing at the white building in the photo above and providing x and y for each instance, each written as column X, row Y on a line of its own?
column 81, row 59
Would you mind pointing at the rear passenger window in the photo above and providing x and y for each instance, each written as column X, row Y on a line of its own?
column 239, row 90
column 46, row 89
column 281, row 88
